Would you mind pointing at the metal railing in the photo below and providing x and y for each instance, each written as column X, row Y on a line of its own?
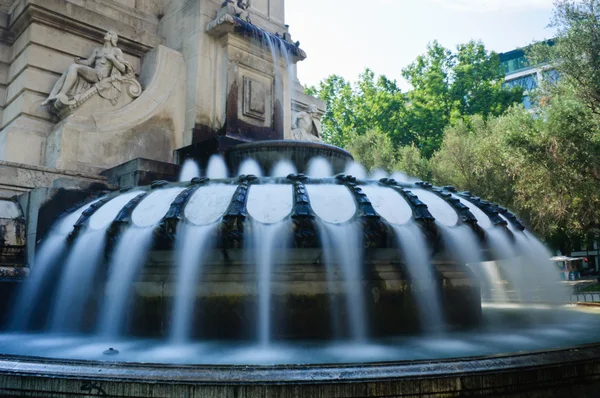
column 585, row 298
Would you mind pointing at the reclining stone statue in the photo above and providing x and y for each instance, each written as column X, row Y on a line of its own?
column 307, row 126
column 105, row 73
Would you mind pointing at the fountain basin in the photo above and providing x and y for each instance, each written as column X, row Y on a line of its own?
column 556, row 373
column 305, row 303
column 299, row 153
column 329, row 240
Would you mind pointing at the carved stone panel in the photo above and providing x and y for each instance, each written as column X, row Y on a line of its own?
column 255, row 96
column 255, row 104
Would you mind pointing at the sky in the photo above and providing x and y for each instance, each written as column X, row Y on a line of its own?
column 346, row 36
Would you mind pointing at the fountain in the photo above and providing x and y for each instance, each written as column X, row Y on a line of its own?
column 272, row 266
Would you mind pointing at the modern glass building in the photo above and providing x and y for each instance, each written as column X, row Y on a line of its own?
column 522, row 72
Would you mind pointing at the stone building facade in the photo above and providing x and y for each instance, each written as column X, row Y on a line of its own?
column 206, row 83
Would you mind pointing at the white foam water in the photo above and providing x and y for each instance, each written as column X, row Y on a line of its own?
column 332, row 203
column 209, row 203
column 104, row 216
column 270, row 203
column 283, row 168
column 319, row 168
column 77, row 280
column 189, row 170
column 127, row 259
column 442, row 212
column 356, row 170
column 45, row 261
column 191, row 253
column 250, row 167
column 421, row 273
column 217, row 168
column 389, row 204
column 268, row 239
column 154, row 207
column 342, row 246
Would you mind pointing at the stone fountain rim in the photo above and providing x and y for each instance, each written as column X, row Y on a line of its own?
column 262, row 145
column 169, row 374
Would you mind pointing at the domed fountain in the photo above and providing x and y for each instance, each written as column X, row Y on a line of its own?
column 288, row 268
column 275, row 266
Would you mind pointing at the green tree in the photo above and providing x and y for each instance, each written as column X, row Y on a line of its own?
column 354, row 109
column 559, row 182
column 374, row 150
column 576, row 50
column 474, row 157
column 448, row 87
column 412, row 163
column 338, row 122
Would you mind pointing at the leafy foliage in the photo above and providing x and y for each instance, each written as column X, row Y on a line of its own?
column 374, row 150
column 447, row 87
column 577, row 50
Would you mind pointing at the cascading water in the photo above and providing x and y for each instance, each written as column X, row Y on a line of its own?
column 129, row 256
column 298, row 240
column 319, row 168
column 502, row 247
column 77, row 280
column 356, row 170
column 192, row 245
column 81, row 266
column 46, row 260
column 415, row 254
column 499, row 242
column 217, row 168
column 269, row 206
column 189, row 170
column 250, row 167
column 414, row 249
column 267, row 237
column 537, row 266
column 342, row 247
column 378, row 174
column 283, row 169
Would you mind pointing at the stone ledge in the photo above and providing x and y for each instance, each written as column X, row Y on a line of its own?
column 226, row 23
column 139, row 172
column 559, row 373
column 85, row 23
column 17, row 178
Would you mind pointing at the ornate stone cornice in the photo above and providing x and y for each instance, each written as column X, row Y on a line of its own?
column 133, row 41
column 227, row 23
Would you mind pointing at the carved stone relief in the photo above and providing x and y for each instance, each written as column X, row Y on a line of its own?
column 105, row 74
column 307, row 125
column 254, row 99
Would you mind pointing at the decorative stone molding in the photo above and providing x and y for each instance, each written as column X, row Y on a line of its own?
column 255, row 96
column 139, row 31
column 64, row 109
column 230, row 20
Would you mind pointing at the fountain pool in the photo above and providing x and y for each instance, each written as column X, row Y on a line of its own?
column 291, row 275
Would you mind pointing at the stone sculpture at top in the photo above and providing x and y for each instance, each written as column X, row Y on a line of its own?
column 307, row 125
column 237, row 8
column 105, row 74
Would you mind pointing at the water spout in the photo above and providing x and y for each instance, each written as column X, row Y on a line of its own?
column 189, row 170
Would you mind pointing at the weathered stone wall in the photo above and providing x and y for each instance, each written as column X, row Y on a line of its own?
column 224, row 73
column 42, row 39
